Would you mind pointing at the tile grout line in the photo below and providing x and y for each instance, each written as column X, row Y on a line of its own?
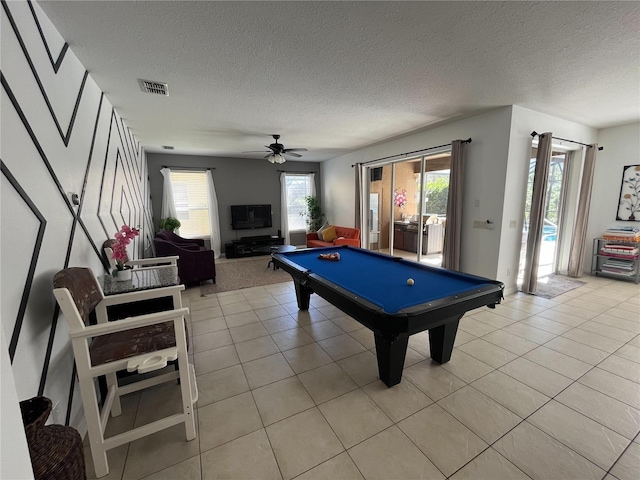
column 547, row 402
column 493, row 369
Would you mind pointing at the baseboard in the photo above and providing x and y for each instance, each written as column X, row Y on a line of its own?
column 80, row 422
column 511, row 290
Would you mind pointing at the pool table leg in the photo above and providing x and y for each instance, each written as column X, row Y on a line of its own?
column 441, row 340
column 391, row 353
column 303, row 293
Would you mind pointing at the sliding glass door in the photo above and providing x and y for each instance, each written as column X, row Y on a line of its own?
column 553, row 219
column 407, row 204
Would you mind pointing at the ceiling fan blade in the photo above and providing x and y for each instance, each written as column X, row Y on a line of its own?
column 276, row 150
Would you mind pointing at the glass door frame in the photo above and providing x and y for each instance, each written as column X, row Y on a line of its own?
column 562, row 229
column 562, row 206
column 366, row 191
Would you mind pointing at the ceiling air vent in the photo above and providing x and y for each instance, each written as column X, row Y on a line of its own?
column 168, row 147
column 157, row 88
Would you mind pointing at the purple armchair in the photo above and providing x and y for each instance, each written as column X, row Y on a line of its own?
column 195, row 264
column 177, row 239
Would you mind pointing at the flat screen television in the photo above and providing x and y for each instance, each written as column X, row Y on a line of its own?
column 250, row 216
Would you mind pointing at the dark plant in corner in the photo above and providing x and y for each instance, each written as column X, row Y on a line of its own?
column 315, row 217
column 169, row 223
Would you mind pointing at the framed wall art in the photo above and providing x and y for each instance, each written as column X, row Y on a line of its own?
column 629, row 202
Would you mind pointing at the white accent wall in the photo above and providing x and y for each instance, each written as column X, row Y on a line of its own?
column 496, row 177
column 523, row 122
column 621, row 147
column 486, row 161
column 14, row 455
column 60, row 135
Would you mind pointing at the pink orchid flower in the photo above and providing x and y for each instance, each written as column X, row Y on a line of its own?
column 122, row 239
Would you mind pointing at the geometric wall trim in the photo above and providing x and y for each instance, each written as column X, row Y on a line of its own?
column 43, row 156
column 34, row 257
column 55, row 64
column 65, row 136
column 95, row 155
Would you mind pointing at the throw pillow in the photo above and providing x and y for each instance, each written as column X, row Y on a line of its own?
column 320, row 230
column 329, row 234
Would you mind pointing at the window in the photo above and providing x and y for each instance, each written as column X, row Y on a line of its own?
column 298, row 187
column 436, row 191
column 192, row 202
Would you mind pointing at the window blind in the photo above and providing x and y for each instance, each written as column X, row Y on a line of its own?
column 298, row 187
column 192, row 202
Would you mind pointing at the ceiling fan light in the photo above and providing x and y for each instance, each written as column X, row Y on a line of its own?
column 271, row 158
column 279, row 158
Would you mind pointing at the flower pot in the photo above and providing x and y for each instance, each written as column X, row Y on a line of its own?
column 122, row 275
column 56, row 451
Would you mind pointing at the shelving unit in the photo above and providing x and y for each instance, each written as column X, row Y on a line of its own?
column 604, row 263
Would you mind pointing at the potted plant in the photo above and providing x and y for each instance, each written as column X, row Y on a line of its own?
column 123, row 238
column 170, row 223
column 315, row 217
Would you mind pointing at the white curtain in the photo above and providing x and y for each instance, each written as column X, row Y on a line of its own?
column 168, row 205
column 312, row 184
column 214, row 217
column 579, row 239
column 536, row 216
column 284, row 211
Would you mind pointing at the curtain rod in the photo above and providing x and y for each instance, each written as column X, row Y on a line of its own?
column 534, row 133
column 468, row 140
column 188, row 168
column 294, row 173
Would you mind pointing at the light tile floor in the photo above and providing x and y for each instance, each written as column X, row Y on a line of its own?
column 535, row 389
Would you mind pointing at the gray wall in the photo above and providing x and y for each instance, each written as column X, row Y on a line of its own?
column 238, row 181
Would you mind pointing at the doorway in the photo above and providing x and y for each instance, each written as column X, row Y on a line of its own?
column 407, row 204
column 553, row 226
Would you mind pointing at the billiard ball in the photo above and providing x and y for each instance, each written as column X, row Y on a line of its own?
column 410, row 281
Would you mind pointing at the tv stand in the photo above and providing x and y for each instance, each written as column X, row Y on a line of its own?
column 255, row 237
column 251, row 246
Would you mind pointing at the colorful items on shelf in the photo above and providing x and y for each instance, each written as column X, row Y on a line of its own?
column 622, row 234
column 620, row 248
column 619, row 267
column 629, row 252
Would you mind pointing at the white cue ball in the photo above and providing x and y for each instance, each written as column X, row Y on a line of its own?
column 410, row 281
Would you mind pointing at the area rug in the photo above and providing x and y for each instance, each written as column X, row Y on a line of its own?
column 555, row 285
column 244, row 274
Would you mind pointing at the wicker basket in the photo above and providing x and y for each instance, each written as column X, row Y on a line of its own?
column 56, row 451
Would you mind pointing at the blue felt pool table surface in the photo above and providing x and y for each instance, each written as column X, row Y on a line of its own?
column 382, row 280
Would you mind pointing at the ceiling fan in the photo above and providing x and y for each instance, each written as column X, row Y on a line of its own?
column 277, row 150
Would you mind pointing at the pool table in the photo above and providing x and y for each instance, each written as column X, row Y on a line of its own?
column 372, row 288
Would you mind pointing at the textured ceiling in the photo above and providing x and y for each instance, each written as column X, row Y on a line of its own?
column 336, row 76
